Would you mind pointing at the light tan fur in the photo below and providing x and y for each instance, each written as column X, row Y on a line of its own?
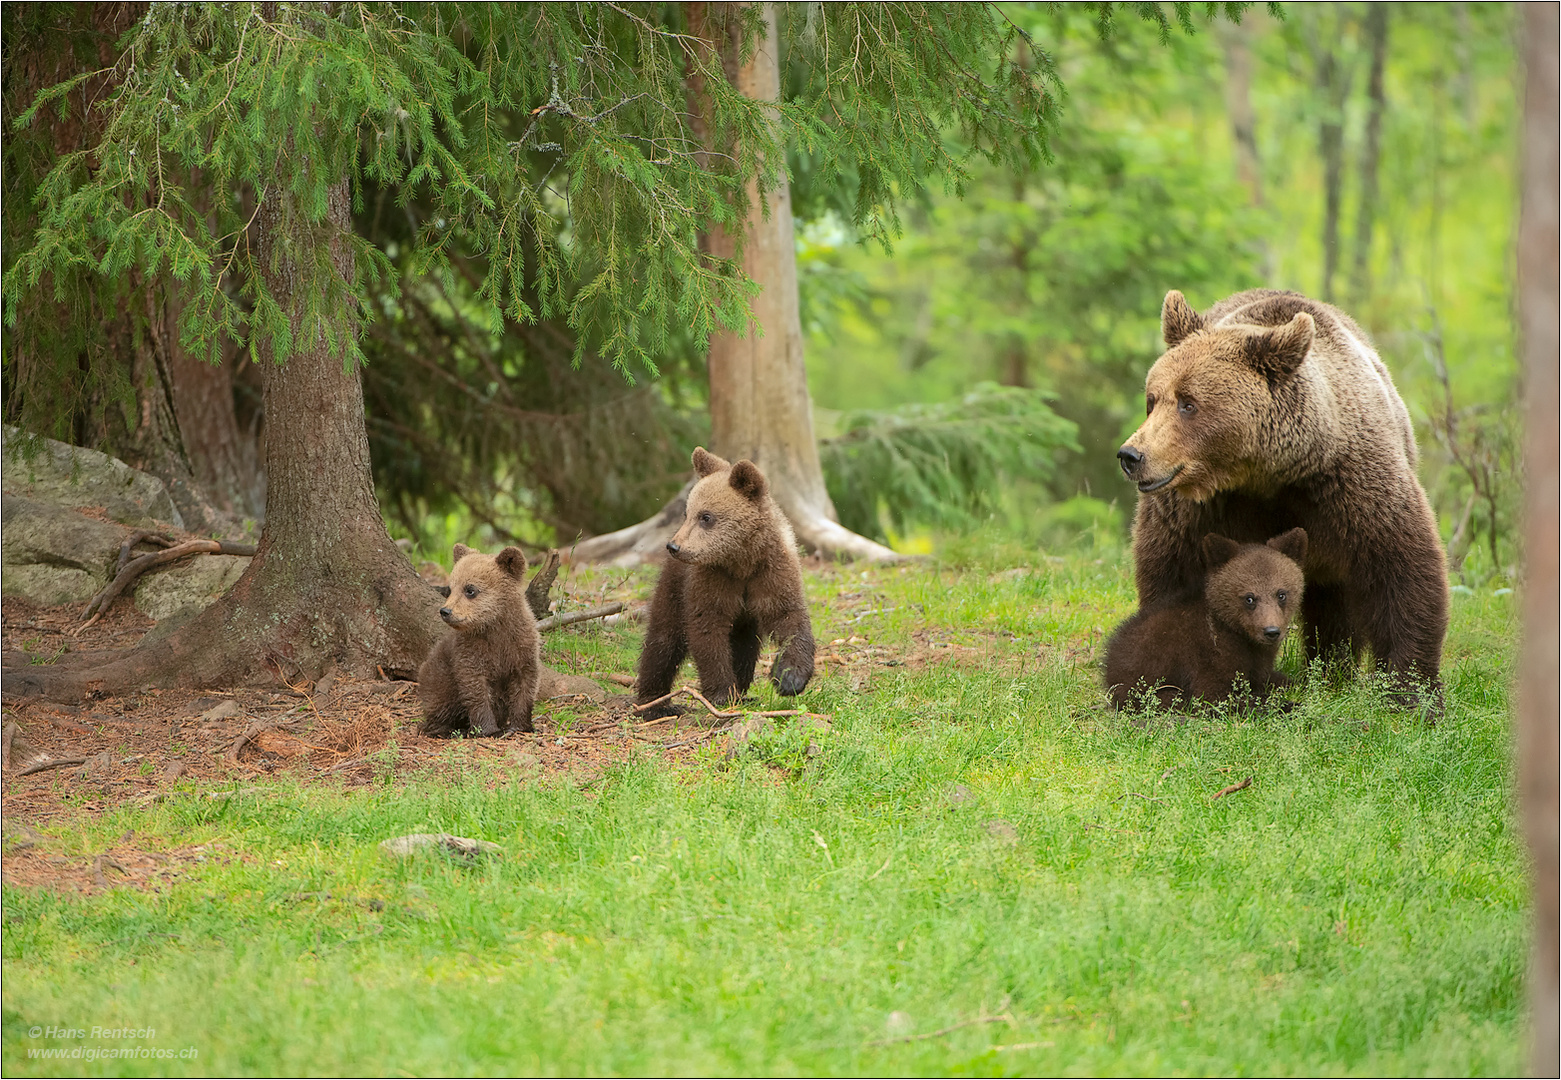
column 483, row 675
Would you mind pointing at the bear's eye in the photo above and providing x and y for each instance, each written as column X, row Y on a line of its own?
column 1148, row 404
column 705, row 519
column 470, row 591
column 1186, row 407
column 1281, row 595
column 1251, row 601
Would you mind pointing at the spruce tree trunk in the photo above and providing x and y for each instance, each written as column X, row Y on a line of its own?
column 1366, row 213
column 326, row 584
column 1540, row 322
column 759, row 403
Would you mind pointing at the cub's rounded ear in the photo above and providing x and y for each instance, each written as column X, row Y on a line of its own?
column 706, row 463
column 512, row 561
column 748, row 480
column 1178, row 321
column 1291, row 544
column 1218, row 550
column 1276, row 354
column 460, row 552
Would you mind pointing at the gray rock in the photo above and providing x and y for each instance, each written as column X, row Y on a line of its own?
column 65, row 475
column 557, row 684
column 191, row 583
column 404, row 847
column 52, row 555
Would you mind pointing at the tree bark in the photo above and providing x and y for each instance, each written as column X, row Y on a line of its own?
column 759, row 403
column 1333, row 78
column 326, row 584
column 1366, row 214
column 1539, row 283
column 1237, row 39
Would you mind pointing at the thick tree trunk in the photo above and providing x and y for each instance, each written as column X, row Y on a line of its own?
column 326, row 583
column 1333, row 76
column 759, row 404
column 1366, row 214
column 1538, row 703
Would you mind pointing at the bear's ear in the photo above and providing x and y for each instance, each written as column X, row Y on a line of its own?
column 513, row 562
column 1178, row 321
column 1291, row 544
column 706, row 463
column 1275, row 354
column 460, row 552
column 1218, row 550
column 748, row 480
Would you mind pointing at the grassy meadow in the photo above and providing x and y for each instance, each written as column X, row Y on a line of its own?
column 979, row 869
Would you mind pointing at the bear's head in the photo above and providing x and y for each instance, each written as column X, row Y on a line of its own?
column 1255, row 589
column 485, row 589
column 1210, row 403
column 731, row 519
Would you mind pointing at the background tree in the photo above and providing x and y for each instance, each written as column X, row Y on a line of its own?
column 291, row 110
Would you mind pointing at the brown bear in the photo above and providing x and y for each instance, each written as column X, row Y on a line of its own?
column 732, row 579
column 1195, row 650
column 482, row 676
column 1270, row 412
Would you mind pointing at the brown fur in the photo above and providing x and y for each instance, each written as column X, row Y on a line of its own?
column 733, row 579
column 482, row 676
column 1272, row 411
column 1195, row 650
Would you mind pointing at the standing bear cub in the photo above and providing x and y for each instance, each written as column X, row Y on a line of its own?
column 732, row 579
column 482, row 676
column 1196, row 649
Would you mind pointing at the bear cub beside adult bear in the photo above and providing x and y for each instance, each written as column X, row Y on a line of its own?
column 1195, row 650
column 482, row 677
column 733, row 578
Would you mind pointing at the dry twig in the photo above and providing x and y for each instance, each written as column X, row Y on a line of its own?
column 136, row 567
column 1240, row 786
column 53, row 763
column 553, row 622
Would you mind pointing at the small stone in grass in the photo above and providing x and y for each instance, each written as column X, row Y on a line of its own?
column 958, row 794
column 173, row 770
column 403, row 847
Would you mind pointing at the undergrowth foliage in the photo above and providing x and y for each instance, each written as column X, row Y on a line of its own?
column 556, row 141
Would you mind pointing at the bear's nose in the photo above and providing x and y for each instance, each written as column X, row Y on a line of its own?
column 1130, row 459
column 1272, row 632
column 672, row 547
column 445, row 613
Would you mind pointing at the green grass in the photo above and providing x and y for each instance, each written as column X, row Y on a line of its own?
column 1360, row 909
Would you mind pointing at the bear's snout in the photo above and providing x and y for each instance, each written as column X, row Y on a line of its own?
column 672, row 547
column 445, row 613
column 1273, row 633
column 1131, row 461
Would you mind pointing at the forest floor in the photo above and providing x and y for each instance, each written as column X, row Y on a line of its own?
column 961, row 860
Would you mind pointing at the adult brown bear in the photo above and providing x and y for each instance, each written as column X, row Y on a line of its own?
column 1272, row 411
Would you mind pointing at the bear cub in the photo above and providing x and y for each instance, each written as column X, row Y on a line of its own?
column 482, row 677
column 733, row 578
column 1195, row 650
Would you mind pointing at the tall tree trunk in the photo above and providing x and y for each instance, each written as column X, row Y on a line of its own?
column 1333, row 74
column 759, row 404
column 326, row 583
column 1538, row 703
column 1237, row 40
column 1366, row 214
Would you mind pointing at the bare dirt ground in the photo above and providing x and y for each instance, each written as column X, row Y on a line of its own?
column 64, row 759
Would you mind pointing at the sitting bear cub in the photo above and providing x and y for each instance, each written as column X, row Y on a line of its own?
column 483, row 675
column 1196, row 649
column 732, row 579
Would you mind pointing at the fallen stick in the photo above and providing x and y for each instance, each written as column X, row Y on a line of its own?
column 541, row 583
column 136, row 567
column 1241, row 786
column 243, row 740
column 54, row 763
column 1004, row 1019
column 553, row 622
column 162, row 540
column 614, row 677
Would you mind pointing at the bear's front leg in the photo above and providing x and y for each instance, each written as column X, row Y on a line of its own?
column 477, row 699
column 665, row 644
column 710, row 642
column 794, row 667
